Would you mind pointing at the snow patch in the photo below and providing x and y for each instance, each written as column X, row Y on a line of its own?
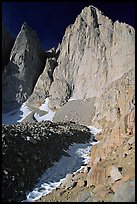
column 94, row 130
column 50, row 114
column 44, row 106
column 19, row 114
column 25, row 111
column 15, row 116
column 72, row 99
column 78, row 155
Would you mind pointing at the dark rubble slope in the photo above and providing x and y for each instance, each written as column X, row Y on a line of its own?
column 29, row 149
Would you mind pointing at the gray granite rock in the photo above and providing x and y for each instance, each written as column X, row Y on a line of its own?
column 82, row 196
column 115, row 173
column 80, row 111
column 95, row 51
column 19, row 77
column 125, row 192
column 42, row 86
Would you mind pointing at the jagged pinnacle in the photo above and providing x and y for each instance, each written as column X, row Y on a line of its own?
column 25, row 26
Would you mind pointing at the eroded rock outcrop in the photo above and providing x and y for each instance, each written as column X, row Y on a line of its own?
column 27, row 61
column 112, row 160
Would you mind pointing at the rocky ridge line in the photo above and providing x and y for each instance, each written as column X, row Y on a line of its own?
column 26, row 63
column 94, row 52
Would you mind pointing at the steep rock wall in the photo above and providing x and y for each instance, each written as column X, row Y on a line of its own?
column 20, row 75
column 42, row 86
column 94, row 52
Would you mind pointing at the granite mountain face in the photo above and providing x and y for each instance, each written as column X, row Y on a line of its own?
column 19, row 76
column 90, row 80
column 94, row 53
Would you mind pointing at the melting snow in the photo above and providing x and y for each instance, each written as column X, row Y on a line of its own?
column 78, row 154
column 25, row 111
column 19, row 114
column 45, row 105
column 94, row 130
column 50, row 114
column 15, row 116
column 53, row 176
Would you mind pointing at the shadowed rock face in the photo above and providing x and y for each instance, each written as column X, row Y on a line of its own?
column 7, row 44
column 42, row 86
column 94, row 53
column 20, row 75
column 29, row 149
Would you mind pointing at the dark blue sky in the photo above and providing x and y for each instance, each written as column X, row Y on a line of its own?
column 50, row 19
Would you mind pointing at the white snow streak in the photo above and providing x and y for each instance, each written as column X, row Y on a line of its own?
column 78, row 154
column 19, row 114
column 94, row 130
column 50, row 114
column 45, row 105
column 15, row 116
column 25, row 111
column 53, row 176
